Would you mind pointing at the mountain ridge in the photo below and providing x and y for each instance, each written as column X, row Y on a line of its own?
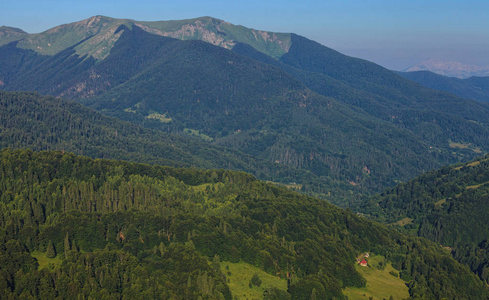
column 475, row 88
column 99, row 32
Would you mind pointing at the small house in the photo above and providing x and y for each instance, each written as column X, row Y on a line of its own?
column 363, row 263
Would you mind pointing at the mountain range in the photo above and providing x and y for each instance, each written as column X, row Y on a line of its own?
column 210, row 96
column 278, row 97
column 475, row 88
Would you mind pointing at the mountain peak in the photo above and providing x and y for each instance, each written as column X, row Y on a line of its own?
column 10, row 34
column 11, row 29
column 91, row 25
column 221, row 33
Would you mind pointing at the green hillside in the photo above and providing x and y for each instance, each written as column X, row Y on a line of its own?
column 28, row 120
column 383, row 281
column 433, row 116
column 448, row 206
column 127, row 230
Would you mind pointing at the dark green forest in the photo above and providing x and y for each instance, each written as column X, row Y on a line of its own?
column 29, row 120
column 128, row 230
column 448, row 206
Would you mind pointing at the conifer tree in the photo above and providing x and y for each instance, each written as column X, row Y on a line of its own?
column 67, row 244
column 74, row 247
column 50, row 251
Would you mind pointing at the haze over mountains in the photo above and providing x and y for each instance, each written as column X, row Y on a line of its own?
column 450, row 68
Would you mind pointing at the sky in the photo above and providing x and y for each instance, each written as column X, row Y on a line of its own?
column 393, row 33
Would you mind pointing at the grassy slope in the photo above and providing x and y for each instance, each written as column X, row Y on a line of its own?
column 222, row 34
column 10, row 34
column 239, row 276
column 94, row 36
column 380, row 284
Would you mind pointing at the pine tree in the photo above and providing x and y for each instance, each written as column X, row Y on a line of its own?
column 162, row 248
column 313, row 294
column 74, row 247
column 216, row 263
column 67, row 244
column 50, row 251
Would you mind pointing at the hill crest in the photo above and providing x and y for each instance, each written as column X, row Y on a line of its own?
column 97, row 35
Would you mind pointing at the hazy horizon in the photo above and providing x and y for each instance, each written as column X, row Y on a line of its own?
column 394, row 34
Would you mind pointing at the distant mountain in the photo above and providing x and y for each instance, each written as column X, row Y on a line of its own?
column 279, row 97
column 449, row 68
column 476, row 88
column 448, row 206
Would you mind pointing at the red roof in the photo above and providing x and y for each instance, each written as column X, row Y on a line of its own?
column 363, row 262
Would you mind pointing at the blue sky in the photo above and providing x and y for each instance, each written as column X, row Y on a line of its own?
column 394, row 33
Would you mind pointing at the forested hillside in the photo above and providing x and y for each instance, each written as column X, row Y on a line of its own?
column 70, row 225
column 243, row 104
column 475, row 88
column 237, row 102
column 449, row 206
column 28, row 120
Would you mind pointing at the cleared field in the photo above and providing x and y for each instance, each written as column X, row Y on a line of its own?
column 475, row 186
column 159, row 117
column 403, row 222
column 198, row 134
column 239, row 276
column 464, row 146
column 45, row 262
column 380, row 283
